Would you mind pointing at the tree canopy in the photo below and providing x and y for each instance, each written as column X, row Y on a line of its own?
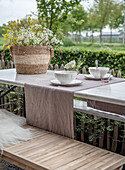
column 52, row 13
column 78, row 19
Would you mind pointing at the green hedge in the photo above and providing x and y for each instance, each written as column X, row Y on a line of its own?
column 68, row 42
column 111, row 59
column 7, row 55
column 105, row 58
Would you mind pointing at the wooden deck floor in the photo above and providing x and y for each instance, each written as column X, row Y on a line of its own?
column 50, row 151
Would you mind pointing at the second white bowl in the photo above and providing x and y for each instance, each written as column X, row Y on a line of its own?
column 98, row 72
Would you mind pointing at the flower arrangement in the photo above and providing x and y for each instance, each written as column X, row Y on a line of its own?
column 28, row 32
column 31, row 45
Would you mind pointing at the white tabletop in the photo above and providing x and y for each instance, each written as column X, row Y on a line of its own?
column 112, row 93
column 9, row 76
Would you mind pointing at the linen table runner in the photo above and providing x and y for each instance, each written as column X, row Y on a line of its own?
column 51, row 107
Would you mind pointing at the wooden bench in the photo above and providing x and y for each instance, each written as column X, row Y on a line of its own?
column 47, row 150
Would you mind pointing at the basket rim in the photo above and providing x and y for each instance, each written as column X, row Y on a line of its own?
column 30, row 46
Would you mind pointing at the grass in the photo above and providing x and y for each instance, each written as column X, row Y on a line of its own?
column 114, row 47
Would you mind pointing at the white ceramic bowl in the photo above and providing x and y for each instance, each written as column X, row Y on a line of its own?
column 98, row 72
column 65, row 76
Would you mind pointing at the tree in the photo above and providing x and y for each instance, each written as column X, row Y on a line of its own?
column 78, row 19
column 102, row 10
column 52, row 13
column 91, row 24
column 66, row 27
column 115, row 17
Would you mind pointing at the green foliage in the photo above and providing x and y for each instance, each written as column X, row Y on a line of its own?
column 115, row 17
column 66, row 27
column 91, row 25
column 53, row 12
column 68, row 42
column 106, row 58
column 94, row 129
column 102, row 9
column 77, row 19
column 7, row 55
column 2, row 41
column 98, row 125
column 14, row 97
column 96, row 46
column 2, row 30
column 102, row 12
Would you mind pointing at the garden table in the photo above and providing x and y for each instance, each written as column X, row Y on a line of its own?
column 113, row 93
column 109, row 93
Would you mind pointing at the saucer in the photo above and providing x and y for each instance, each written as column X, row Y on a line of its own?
column 91, row 77
column 73, row 83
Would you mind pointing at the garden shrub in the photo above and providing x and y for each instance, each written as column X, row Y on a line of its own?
column 107, row 58
column 68, row 42
column 7, row 55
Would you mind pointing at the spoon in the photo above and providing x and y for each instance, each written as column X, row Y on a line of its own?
column 96, row 63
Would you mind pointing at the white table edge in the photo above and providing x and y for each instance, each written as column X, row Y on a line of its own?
column 99, row 98
column 12, row 83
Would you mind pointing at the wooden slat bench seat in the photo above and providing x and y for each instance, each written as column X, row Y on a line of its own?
column 47, row 150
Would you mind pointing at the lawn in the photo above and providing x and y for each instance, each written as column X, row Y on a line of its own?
column 116, row 47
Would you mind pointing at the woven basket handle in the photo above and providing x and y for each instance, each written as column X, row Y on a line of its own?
column 51, row 52
column 11, row 53
column 51, row 55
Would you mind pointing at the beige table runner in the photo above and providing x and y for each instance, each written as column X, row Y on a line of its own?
column 51, row 107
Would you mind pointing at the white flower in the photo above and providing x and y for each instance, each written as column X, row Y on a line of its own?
column 70, row 65
column 41, row 35
column 11, row 35
column 19, row 43
column 20, row 37
column 26, row 41
column 35, row 35
column 53, row 39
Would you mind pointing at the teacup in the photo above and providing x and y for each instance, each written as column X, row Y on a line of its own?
column 65, row 77
column 99, row 72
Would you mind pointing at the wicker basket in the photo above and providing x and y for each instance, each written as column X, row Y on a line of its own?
column 31, row 59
